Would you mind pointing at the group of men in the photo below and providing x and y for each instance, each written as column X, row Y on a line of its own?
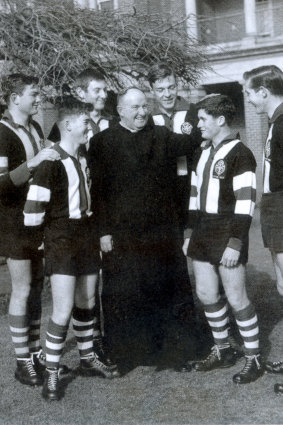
column 120, row 189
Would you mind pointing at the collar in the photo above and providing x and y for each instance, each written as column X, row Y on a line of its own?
column 278, row 111
column 180, row 105
column 8, row 117
column 208, row 143
column 127, row 128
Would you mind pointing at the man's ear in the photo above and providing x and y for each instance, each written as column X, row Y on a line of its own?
column 119, row 110
column 68, row 125
column 264, row 91
column 221, row 120
column 14, row 98
column 81, row 93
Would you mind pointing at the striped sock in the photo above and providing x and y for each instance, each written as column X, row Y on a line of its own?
column 218, row 320
column 20, row 334
column 248, row 327
column 96, row 327
column 83, row 329
column 55, row 341
column 34, row 332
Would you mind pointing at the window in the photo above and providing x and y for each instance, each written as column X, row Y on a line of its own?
column 105, row 4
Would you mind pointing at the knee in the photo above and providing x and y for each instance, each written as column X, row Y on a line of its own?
column 238, row 302
column 61, row 314
column 207, row 298
column 21, row 292
column 84, row 301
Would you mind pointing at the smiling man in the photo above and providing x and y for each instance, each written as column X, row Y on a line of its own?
column 59, row 199
column 264, row 90
column 21, row 152
column 90, row 86
column 131, row 178
column 220, row 212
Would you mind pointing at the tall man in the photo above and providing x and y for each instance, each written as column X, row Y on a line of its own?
column 264, row 90
column 90, row 86
column 178, row 116
column 21, row 143
column 221, row 207
column 130, row 166
column 59, row 198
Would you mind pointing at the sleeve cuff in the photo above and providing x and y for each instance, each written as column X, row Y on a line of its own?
column 20, row 175
column 235, row 243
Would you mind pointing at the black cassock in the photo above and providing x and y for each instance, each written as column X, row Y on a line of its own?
column 133, row 200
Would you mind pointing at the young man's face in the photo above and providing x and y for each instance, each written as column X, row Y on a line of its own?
column 165, row 92
column 80, row 125
column 256, row 97
column 208, row 125
column 95, row 94
column 29, row 100
column 134, row 110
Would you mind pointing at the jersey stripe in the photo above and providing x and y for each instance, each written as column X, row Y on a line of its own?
column 266, row 162
column 73, row 188
column 25, row 139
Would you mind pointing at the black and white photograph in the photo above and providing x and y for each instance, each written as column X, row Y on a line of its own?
column 141, row 212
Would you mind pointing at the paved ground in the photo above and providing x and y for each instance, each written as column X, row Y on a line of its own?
column 150, row 396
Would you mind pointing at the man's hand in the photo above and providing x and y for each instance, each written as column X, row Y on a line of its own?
column 230, row 257
column 46, row 154
column 185, row 246
column 106, row 243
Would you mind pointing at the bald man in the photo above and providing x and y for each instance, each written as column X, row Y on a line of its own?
column 131, row 180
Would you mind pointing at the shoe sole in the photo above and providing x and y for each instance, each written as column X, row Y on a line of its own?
column 26, row 382
column 248, row 382
column 93, row 372
column 214, row 368
column 49, row 397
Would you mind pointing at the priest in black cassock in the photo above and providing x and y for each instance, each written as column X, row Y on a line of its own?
column 132, row 194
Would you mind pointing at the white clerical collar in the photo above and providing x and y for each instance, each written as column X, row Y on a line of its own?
column 127, row 128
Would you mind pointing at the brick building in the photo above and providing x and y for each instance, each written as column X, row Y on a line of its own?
column 238, row 35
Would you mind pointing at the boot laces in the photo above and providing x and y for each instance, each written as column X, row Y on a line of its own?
column 215, row 352
column 52, row 380
column 249, row 363
column 29, row 365
column 41, row 356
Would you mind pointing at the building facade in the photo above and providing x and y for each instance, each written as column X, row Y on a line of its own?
column 238, row 35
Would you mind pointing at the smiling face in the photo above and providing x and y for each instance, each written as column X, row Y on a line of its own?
column 209, row 126
column 165, row 91
column 256, row 97
column 133, row 110
column 29, row 100
column 95, row 94
column 80, row 127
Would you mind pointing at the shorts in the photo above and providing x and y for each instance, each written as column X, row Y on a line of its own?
column 71, row 248
column 21, row 243
column 210, row 237
column 271, row 218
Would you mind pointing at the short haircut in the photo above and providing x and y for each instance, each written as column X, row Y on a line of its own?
column 123, row 93
column 70, row 105
column 269, row 76
column 16, row 83
column 159, row 71
column 86, row 76
column 217, row 105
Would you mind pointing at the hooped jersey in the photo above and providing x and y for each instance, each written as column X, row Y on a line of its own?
column 60, row 189
column 181, row 122
column 223, row 182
